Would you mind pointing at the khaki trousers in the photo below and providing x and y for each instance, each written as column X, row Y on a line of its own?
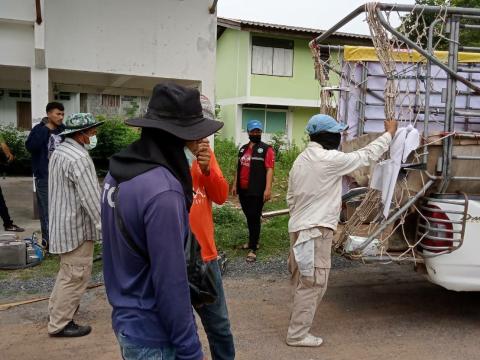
column 308, row 290
column 72, row 280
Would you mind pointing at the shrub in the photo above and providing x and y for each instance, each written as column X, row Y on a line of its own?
column 112, row 136
column 15, row 139
column 226, row 153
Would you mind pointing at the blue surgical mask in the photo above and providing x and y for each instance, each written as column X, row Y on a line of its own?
column 190, row 156
column 93, row 143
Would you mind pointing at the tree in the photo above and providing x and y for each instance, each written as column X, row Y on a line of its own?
column 417, row 32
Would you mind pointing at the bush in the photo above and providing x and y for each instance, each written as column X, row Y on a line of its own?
column 112, row 136
column 226, row 153
column 15, row 139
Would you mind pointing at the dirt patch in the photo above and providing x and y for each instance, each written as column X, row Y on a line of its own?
column 369, row 312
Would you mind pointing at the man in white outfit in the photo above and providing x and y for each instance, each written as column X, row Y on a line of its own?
column 314, row 199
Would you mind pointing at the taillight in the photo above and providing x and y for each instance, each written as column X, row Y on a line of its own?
column 437, row 221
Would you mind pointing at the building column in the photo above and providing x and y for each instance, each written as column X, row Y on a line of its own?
column 39, row 88
column 39, row 85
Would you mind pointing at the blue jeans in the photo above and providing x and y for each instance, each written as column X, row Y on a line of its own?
column 215, row 321
column 137, row 352
column 41, row 186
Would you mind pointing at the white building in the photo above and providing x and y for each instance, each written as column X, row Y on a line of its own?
column 100, row 56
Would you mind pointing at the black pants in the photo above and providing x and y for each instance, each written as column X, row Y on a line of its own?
column 252, row 208
column 4, row 211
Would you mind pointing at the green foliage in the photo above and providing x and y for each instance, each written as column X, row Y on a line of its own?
column 131, row 111
column 15, row 140
column 278, row 142
column 417, row 31
column 112, row 137
column 226, row 153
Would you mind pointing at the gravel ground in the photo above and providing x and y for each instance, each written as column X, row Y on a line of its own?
column 235, row 268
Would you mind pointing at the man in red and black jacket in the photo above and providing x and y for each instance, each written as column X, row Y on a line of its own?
column 253, row 182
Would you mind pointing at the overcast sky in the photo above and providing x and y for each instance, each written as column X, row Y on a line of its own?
column 317, row 14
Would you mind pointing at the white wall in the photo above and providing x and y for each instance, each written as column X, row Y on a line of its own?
column 16, row 44
column 167, row 38
column 8, row 109
column 17, row 10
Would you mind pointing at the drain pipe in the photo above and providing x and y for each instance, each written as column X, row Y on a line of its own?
column 213, row 7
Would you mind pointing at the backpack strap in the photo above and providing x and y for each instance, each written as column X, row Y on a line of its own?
column 123, row 229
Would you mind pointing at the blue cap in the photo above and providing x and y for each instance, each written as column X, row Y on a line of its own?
column 324, row 123
column 254, row 124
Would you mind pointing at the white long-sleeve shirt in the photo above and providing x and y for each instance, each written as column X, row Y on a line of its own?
column 315, row 182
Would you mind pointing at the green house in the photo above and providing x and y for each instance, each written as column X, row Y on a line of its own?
column 265, row 72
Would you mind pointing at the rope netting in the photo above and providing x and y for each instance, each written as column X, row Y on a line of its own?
column 363, row 91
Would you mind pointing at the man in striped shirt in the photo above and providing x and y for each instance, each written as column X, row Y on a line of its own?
column 74, row 208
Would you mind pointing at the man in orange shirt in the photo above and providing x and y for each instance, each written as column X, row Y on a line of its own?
column 209, row 185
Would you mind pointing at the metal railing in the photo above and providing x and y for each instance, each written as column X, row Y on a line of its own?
column 440, row 236
column 454, row 15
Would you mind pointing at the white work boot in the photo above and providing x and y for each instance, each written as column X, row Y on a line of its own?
column 308, row 341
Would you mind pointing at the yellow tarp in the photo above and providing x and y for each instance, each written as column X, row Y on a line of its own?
column 366, row 53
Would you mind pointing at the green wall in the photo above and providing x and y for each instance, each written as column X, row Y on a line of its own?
column 302, row 85
column 231, row 67
column 301, row 116
column 228, row 116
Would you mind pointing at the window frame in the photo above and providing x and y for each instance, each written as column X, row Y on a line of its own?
column 272, row 43
column 266, row 109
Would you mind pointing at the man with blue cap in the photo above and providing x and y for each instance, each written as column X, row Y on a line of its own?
column 314, row 200
column 253, row 182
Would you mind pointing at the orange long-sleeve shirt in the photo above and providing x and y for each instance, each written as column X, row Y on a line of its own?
column 206, row 189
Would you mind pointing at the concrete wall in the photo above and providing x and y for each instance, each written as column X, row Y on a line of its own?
column 168, row 38
column 16, row 44
column 8, row 107
column 229, row 117
column 17, row 10
column 300, row 118
column 232, row 64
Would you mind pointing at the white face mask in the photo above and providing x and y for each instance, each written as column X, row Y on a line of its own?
column 190, row 156
column 93, row 143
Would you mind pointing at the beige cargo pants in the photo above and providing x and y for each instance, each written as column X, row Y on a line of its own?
column 72, row 280
column 308, row 290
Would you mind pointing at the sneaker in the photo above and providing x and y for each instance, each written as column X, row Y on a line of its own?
column 73, row 330
column 307, row 341
column 14, row 228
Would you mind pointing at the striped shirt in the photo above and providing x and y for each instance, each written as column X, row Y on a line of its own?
column 73, row 198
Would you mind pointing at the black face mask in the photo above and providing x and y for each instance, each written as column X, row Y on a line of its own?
column 328, row 141
column 255, row 138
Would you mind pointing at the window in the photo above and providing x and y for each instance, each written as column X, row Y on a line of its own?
column 272, row 56
column 273, row 120
column 111, row 100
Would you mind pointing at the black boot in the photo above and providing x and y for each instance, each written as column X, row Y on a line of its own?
column 73, row 330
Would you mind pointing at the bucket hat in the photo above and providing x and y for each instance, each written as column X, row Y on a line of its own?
column 324, row 123
column 177, row 110
column 80, row 122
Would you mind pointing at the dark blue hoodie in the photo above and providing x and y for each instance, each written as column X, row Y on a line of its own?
column 150, row 300
column 38, row 145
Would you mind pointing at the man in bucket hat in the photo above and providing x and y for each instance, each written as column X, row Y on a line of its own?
column 148, row 193
column 314, row 199
column 74, row 223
